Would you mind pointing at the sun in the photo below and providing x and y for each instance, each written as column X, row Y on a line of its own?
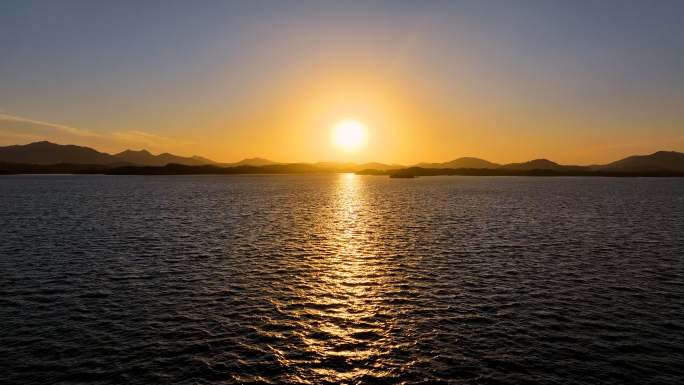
column 349, row 134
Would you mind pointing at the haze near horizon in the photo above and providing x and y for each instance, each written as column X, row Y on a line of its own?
column 576, row 82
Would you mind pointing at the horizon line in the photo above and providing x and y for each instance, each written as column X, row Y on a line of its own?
column 338, row 162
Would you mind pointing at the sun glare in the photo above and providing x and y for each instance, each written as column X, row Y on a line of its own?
column 349, row 134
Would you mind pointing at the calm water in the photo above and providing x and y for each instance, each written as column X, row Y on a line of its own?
column 341, row 279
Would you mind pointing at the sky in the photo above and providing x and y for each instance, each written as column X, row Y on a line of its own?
column 577, row 82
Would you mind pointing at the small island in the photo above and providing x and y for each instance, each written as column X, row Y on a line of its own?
column 401, row 174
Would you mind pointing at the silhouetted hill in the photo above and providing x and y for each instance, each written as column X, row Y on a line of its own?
column 179, row 169
column 60, row 168
column 419, row 171
column 354, row 167
column 144, row 158
column 204, row 160
column 298, row 168
column 380, row 166
column 661, row 160
column 541, row 164
column 121, row 164
column 250, row 162
column 46, row 153
column 538, row 164
column 372, row 171
column 465, row 162
column 51, row 153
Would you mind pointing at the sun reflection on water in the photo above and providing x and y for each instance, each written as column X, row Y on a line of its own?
column 347, row 328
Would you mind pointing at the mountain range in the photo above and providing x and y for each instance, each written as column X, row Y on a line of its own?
column 465, row 162
column 46, row 153
column 659, row 161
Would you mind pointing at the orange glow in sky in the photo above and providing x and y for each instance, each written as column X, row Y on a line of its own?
column 578, row 83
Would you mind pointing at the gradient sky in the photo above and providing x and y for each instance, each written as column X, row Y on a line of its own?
column 577, row 82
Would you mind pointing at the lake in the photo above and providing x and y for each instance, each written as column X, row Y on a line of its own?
column 338, row 278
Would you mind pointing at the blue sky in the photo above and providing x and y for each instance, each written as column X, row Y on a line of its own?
column 574, row 81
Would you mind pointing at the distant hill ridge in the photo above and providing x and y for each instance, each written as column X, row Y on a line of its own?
column 664, row 160
column 47, row 153
column 465, row 162
column 50, row 153
column 658, row 161
column 250, row 162
column 354, row 167
column 541, row 164
column 144, row 158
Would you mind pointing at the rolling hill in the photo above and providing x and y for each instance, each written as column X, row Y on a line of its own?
column 51, row 153
column 257, row 162
column 661, row 160
column 541, row 164
column 46, row 153
column 144, row 158
column 465, row 162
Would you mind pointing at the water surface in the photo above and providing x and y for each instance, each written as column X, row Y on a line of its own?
column 341, row 279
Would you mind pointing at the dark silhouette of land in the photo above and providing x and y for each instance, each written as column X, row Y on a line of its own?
column 465, row 162
column 354, row 167
column 51, row 158
column 50, row 153
column 419, row 171
column 402, row 174
column 661, row 160
column 60, row 168
column 300, row 168
column 542, row 164
column 180, row 169
column 144, row 158
column 46, row 153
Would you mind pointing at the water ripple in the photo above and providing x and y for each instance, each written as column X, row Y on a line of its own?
column 341, row 279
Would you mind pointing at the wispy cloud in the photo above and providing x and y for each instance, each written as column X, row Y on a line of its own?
column 16, row 128
column 151, row 139
column 70, row 130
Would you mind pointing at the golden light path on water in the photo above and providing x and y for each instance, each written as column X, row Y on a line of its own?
column 347, row 295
